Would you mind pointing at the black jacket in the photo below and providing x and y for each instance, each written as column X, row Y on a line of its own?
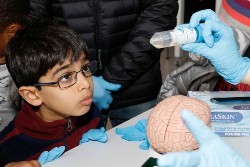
column 117, row 33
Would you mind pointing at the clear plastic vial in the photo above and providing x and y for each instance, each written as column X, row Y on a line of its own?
column 176, row 37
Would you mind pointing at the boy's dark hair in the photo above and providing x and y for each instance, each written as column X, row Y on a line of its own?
column 38, row 47
column 12, row 11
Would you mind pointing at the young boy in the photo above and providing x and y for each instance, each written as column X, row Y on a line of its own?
column 11, row 20
column 50, row 67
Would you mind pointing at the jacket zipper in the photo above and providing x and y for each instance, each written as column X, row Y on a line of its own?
column 98, row 35
column 68, row 128
column 69, row 124
column 99, row 58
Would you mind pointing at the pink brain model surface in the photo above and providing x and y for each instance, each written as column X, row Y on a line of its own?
column 166, row 131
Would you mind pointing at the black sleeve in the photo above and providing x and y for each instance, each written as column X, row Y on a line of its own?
column 137, row 54
column 40, row 8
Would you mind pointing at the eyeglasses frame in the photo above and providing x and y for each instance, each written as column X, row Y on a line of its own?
column 94, row 65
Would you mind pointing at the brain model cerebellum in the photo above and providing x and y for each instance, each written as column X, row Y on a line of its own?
column 166, row 131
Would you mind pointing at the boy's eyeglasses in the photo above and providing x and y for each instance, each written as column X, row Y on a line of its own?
column 70, row 78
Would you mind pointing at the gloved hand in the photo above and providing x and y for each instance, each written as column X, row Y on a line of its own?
column 95, row 135
column 212, row 152
column 220, row 47
column 135, row 133
column 51, row 155
column 102, row 92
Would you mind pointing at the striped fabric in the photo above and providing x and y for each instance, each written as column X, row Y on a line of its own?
column 236, row 13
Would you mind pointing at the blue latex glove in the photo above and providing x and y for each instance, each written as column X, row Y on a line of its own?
column 102, row 92
column 212, row 152
column 95, row 135
column 51, row 155
column 135, row 133
column 220, row 47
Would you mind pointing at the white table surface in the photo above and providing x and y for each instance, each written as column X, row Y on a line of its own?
column 121, row 153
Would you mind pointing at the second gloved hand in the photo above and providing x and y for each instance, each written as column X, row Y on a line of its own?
column 136, row 132
column 51, row 155
column 102, row 92
column 220, row 47
column 95, row 135
column 212, row 152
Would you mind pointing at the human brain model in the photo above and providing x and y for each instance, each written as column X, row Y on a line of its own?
column 166, row 131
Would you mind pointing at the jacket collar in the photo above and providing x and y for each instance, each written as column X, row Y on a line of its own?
column 28, row 122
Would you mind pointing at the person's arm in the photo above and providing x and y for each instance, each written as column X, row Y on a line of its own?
column 243, row 41
column 137, row 55
column 220, row 47
column 40, row 8
column 246, row 79
column 32, row 163
column 212, row 152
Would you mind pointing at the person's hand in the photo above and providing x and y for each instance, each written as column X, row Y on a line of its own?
column 135, row 133
column 204, row 15
column 32, row 163
column 212, row 152
column 102, row 92
column 51, row 155
column 95, row 135
column 220, row 47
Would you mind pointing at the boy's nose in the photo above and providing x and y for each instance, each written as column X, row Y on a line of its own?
column 83, row 82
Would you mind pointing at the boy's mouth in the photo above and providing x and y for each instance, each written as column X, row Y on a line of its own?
column 87, row 101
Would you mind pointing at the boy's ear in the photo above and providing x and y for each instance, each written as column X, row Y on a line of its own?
column 31, row 95
column 12, row 29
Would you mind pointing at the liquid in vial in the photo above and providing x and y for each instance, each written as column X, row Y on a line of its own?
column 176, row 37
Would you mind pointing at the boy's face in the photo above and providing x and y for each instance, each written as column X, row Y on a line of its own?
column 60, row 103
column 4, row 39
column 5, row 35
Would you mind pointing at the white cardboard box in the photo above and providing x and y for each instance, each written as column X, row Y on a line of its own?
column 228, row 118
